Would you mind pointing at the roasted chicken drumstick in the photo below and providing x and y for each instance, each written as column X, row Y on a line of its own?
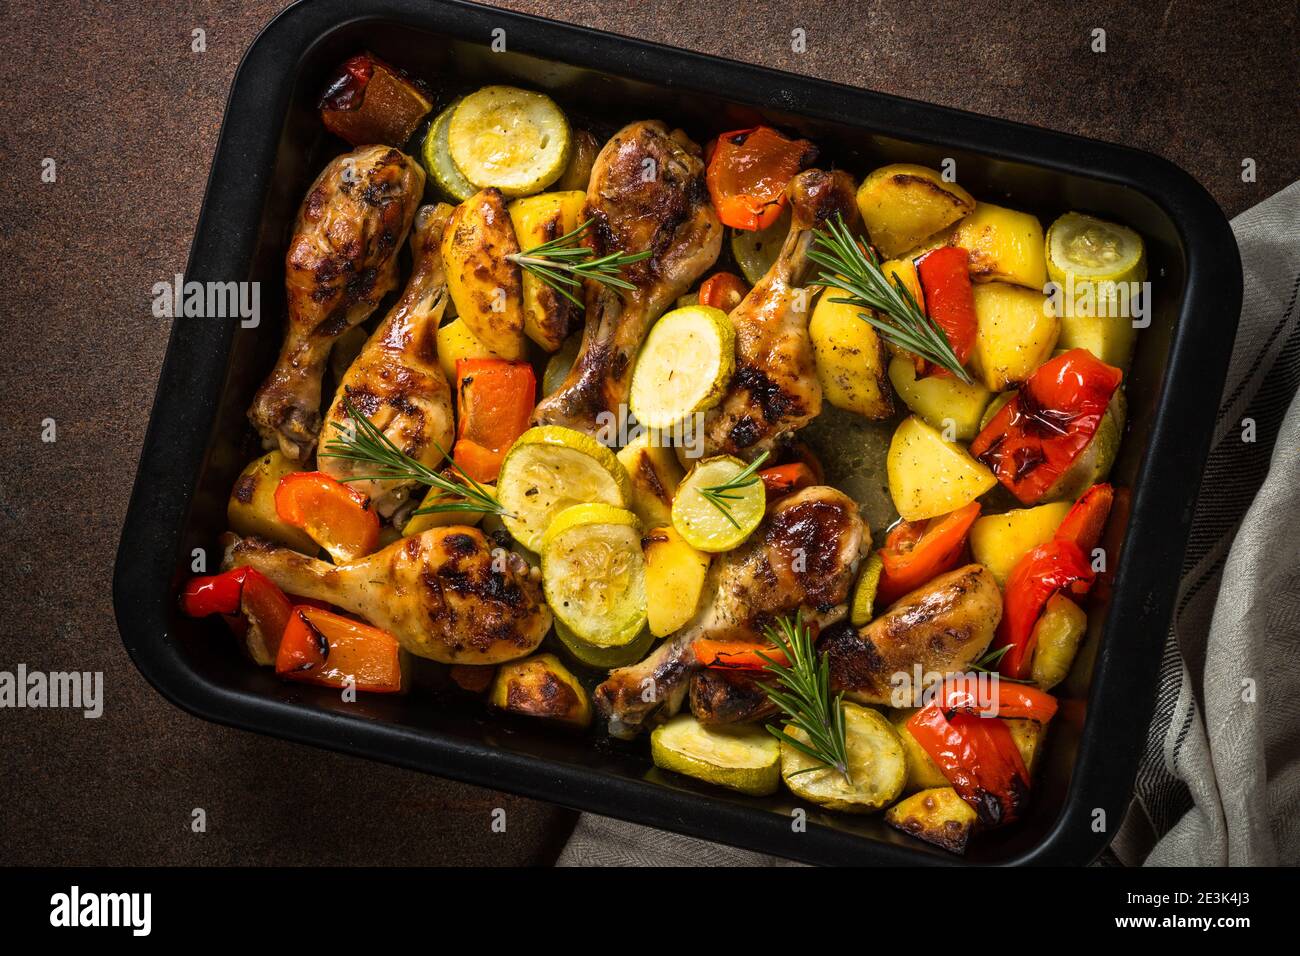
column 802, row 557
column 443, row 594
column 775, row 389
column 396, row 381
column 341, row 262
column 647, row 192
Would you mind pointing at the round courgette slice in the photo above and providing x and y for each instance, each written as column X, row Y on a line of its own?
column 744, row 758
column 513, row 139
column 551, row 468
column 877, row 765
column 684, row 366
column 709, row 513
column 1094, row 250
column 864, row 591
column 593, row 573
column 436, row 157
column 603, row 658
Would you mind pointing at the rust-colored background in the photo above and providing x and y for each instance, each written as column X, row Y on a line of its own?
column 114, row 94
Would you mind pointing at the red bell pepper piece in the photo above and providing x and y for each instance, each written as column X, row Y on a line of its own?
column 917, row 551
column 748, row 170
column 960, row 694
column 1035, row 437
column 736, row 654
column 1087, row 519
column 723, row 290
column 321, row 647
column 980, row 759
column 949, row 301
column 494, row 400
column 336, row 517
column 1055, row 566
column 252, row 605
column 784, row 479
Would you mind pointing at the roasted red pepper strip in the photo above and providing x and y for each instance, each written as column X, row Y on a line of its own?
column 1035, row 437
column 494, row 400
column 961, row 693
column 336, row 517
column 949, row 301
column 1087, row 519
column 321, row 647
column 748, row 172
column 1055, row 566
column 979, row 758
column 736, row 654
column 723, row 290
column 916, row 551
column 784, row 479
column 250, row 602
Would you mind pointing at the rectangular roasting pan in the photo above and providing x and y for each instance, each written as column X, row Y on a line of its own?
column 271, row 146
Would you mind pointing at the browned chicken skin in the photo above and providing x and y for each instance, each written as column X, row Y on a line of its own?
column 943, row 627
column 396, row 381
column 802, row 557
column 443, row 594
column 775, row 389
column 341, row 262
column 720, row 696
column 647, row 192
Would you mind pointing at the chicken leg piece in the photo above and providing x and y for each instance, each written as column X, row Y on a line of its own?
column 647, row 192
column 396, row 381
column 802, row 557
column 775, row 389
column 341, row 263
column 443, row 594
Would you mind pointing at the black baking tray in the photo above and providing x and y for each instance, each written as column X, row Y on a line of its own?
column 271, row 146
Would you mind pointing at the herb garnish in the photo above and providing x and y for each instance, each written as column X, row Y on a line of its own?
column 564, row 262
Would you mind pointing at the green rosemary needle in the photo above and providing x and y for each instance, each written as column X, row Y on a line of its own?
column 366, row 443
column 891, row 308
column 563, row 262
column 721, row 496
column 803, row 692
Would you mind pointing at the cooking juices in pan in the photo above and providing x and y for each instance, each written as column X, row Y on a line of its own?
column 649, row 543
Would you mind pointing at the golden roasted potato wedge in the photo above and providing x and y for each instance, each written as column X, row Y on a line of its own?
column 486, row 286
column 929, row 476
column 1015, row 334
column 548, row 316
column 1028, row 736
column 937, row 816
column 1004, row 246
column 999, row 541
column 903, row 204
column 251, row 509
column 943, row 401
column 850, row 359
column 674, row 579
column 541, row 686
column 655, row 474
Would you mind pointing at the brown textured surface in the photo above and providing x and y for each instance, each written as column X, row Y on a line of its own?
column 131, row 117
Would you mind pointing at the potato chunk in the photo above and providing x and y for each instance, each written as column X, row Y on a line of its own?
column 943, row 401
column 903, row 204
column 929, row 476
column 674, row 579
column 999, row 541
column 549, row 317
column 1004, row 246
column 937, row 816
column 655, row 474
column 541, row 686
column 486, row 286
column 1015, row 334
column 251, row 509
column 850, row 359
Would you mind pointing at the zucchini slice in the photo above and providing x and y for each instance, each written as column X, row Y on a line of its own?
column 744, row 758
column 1094, row 250
column 603, row 658
column 593, row 573
column 756, row 250
column 437, row 159
column 864, row 591
column 513, row 139
column 877, row 766
column 551, row 468
column 684, row 366
column 713, row 527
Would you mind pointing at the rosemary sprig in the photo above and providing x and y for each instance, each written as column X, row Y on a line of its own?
column 988, row 664
column 721, row 496
column 892, row 309
column 803, row 693
column 563, row 262
column 366, row 443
